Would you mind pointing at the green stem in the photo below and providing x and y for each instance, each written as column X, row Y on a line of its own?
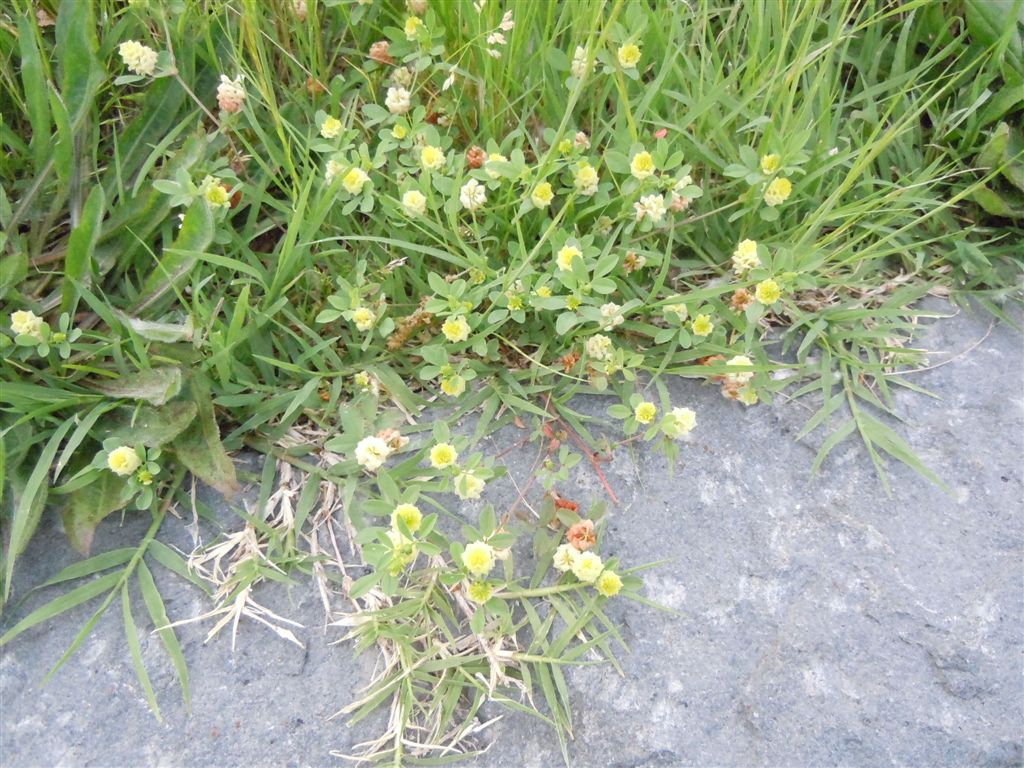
column 539, row 592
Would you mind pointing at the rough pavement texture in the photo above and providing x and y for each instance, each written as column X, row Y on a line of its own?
column 822, row 622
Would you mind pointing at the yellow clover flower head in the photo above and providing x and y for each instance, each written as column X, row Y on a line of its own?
column 770, row 164
column 215, row 193
column 479, row 557
column 26, row 323
column 702, row 325
column 642, row 165
column 414, row 202
column 480, row 592
column 599, row 347
column 778, row 191
column 138, row 58
column 565, row 557
column 399, row 131
column 123, row 461
column 679, row 310
column 364, row 318
column 412, row 27
column 768, row 292
column 680, row 422
column 745, row 257
column 453, row 386
column 494, row 157
column 565, row 256
column 469, row 486
column 409, row 514
column 443, row 455
column 455, row 329
column 629, row 55
column 645, row 412
column 372, row 452
column 354, row 180
column 587, row 567
column 330, row 128
column 743, row 377
column 542, row 195
column 586, row 179
column 432, row 158
column 608, row 584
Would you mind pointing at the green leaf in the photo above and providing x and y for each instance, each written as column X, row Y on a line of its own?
column 78, row 262
column 150, row 426
column 88, row 506
column 154, row 385
column 76, row 48
column 29, row 504
column 65, row 602
column 132, row 635
column 175, row 563
column 196, row 234
column 36, row 89
column 94, row 564
column 199, row 447
column 157, row 612
column 364, row 584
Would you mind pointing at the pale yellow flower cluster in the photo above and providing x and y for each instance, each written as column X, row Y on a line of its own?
column 138, row 58
column 124, row 460
column 26, row 323
column 588, row 568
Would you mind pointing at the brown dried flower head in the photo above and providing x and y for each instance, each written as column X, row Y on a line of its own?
column 393, row 438
column 475, row 157
column 582, row 536
column 633, row 261
column 741, row 299
column 379, row 52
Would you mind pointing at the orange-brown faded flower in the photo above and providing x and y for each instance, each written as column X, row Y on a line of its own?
column 393, row 438
column 713, row 360
column 475, row 157
column 581, row 535
column 314, row 86
column 379, row 52
column 741, row 299
column 633, row 261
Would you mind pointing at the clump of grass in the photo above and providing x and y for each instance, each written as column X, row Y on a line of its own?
column 301, row 227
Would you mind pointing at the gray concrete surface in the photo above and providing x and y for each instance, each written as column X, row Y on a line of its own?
column 822, row 622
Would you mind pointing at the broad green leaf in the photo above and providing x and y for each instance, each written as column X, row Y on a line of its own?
column 154, row 385
column 196, row 233
column 29, row 505
column 148, row 425
column 78, row 262
column 199, row 447
column 87, row 507
column 36, row 88
column 81, row 72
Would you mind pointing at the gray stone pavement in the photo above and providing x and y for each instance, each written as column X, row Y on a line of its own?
column 821, row 622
